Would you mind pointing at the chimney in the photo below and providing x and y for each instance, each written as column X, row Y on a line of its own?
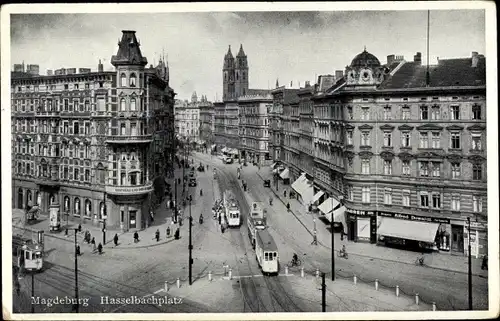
column 18, row 68
column 50, row 72
column 390, row 59
column 339, row 74
column 418, row 58
column 33, row 69
column 475, row 59
column 100, row 67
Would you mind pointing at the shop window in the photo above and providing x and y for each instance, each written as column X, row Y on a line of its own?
column 133, row 217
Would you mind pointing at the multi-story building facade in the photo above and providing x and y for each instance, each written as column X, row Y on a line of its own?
column 219, row 123
column 254, row 128
column 402, row 147
column 207, row 121
column 92, row 143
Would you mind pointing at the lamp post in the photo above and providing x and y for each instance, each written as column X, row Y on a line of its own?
column 190, row 244
column 470, row 264
column 76, row 275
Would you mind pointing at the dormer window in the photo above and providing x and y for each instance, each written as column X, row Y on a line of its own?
column 123, row 80
column 133, row 80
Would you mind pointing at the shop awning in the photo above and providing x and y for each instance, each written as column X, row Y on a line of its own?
column 327, row 206
column 297, row 185
column 338, row 215
column 317, row 196
column 273, row 165
column 307, row 192
column 275, row 171
column 285, row 174
column 411, row 230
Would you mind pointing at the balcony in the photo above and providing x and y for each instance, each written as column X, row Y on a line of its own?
column 129, row 139
column 52, row 180
column 129, row 190
column 47, row 113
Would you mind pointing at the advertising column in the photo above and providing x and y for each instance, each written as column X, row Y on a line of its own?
column 477, row 246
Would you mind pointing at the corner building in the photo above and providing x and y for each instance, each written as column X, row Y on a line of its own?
column 414, row 151
column 92, row 143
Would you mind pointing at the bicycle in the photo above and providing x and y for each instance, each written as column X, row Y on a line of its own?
column 342, row 254
column 294, row 263
column 420, row 261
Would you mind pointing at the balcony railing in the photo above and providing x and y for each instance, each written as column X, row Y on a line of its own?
column 129, row 190
column 47, row 113
column 125, row 139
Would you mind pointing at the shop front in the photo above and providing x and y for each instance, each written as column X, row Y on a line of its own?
column 413, row 232
column 361, row 225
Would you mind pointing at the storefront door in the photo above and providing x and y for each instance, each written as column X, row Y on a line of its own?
column 457, row 242
column 133, row 218
column 351, row 230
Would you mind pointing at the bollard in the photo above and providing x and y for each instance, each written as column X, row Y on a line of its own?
column 230, row 274
column 166, row 286
column 178, row 283
column 433, row 306
column 355, row 279
column 416, row 298
column 210, row 275
column 397, row 290
column 302, row 272
column 286, row 270
column 317, row 273
column 376, row 284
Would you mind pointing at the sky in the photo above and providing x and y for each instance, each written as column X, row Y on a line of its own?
column 289, row 46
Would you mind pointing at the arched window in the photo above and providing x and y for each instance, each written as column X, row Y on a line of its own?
column 102, row 210
column 122, row 104
column 123, row 80
column 77, row 206
column 133, row 80
column 88, row 207
column 66, row 204
column 132, row 104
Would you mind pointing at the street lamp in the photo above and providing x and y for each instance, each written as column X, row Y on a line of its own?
column 190, row 243
column 76, row 306
column 470, row 264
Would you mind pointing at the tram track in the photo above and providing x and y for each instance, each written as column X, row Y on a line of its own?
column 278, row 299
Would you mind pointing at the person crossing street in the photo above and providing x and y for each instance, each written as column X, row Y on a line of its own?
column 115, row 239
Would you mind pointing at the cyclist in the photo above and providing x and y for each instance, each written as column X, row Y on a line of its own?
column 270, row 200
column 343, row 251
column 295, row 259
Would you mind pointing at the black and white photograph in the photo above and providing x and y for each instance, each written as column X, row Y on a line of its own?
column 250, row 161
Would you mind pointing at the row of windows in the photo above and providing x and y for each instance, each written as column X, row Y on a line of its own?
column 76, row 86
column 432, row 200
column 426, row 140
column 425, row 112
column 425, row 169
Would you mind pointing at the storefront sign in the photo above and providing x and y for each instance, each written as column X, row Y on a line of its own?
column 415, row 217
column 360, row 213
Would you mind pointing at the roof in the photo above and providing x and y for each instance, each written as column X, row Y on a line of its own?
column 447, row 73
column 266, row 241
column 241, row 53
column 129, row 52
column 365, row 59
column 262, row 92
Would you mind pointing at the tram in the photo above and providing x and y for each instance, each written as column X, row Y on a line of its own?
column 29, row 253
column 255, row 221
column 232, row 209
column 266, row 252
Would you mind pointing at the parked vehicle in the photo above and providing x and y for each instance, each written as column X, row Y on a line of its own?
column 267, row 183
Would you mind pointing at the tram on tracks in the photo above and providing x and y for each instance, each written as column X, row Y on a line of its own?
column 29, row 252
column 232, row 209
column 266, row 252
column 255, row 221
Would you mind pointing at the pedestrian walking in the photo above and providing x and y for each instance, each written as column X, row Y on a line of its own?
column 288, row 207
column 80, row 228
column 176, row 234
column 136, row 237
column 93, row 244
column 78, row 250
column 220, row 218
column 157, row 235
column 484, row 264
column 315, row 238
column 99, row 248
column 115, row 239
column 284, row 193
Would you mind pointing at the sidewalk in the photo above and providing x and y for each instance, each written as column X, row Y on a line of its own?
column 162, row 220
column 435, row 260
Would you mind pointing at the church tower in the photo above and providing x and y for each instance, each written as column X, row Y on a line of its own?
column 228, row 76
column 241, row 73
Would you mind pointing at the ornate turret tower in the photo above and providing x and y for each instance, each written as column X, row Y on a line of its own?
column 241, row 73
column 228, row 76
